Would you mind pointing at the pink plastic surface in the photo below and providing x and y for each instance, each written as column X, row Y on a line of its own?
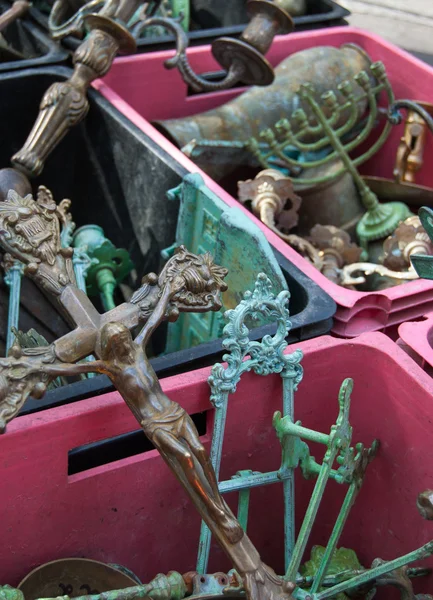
column 133, row 512
column 142, row 89
column 416, row 338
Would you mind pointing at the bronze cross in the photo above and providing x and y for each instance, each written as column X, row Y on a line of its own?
column 30, row 232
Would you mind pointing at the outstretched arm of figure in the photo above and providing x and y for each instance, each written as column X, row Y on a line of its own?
column 69, row 369
column 155, row 318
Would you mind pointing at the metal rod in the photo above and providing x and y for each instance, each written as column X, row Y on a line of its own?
column 335, row 536
column 289, row 481
column 423, row 552
column 215, row 457
column 310, row 516
column 13, row 280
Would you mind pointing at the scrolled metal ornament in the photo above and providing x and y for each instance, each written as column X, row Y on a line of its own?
column 266, row 356
column 30, row 232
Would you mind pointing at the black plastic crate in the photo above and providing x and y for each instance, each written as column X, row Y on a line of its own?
column 23, row 34
column 98, row 165
column 320, row 13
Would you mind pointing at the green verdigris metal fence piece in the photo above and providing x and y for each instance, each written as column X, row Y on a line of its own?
column 275, row 147
column 423, row 265
column 268, row 357
column 262, row 358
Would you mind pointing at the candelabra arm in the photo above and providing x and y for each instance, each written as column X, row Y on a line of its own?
column 395, row 118
column 180, row 60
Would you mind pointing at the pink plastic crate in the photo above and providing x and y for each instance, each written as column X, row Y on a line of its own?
column 142, row 89
column 416, row 338
column 133, row 512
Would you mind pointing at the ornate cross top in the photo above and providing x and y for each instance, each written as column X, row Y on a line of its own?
column 30, row 232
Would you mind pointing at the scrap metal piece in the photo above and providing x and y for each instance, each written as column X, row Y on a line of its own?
column 242, row 59
column 423, row 264
column 14, row 271
column 217, row 139
column 262, row 358
column 409, row 238
column 73, row 577
column 30, row 233
column 355, row 274
column 65, row 104
column 410, row 151
column 107, row 266
column 425, row 505
column 270, row 193
column 336, row 250
column 273, row 199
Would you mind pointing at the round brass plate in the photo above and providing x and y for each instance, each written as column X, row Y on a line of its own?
column 254, row 68
column 73, row 577
column 127, row 43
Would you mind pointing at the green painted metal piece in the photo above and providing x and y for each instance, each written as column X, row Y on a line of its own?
column 9, row 593
column 262, row 358
column 106, row 266
column 371, row 574
column 423, row 265
column 343, row 560
column 179, row 10
column 352, row 465
column 275, row 147
column 207, row 224
column 13, row 275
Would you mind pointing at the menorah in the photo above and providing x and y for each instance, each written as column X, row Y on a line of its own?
column 286, row 146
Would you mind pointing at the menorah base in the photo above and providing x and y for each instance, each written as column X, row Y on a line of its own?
column 381, row 221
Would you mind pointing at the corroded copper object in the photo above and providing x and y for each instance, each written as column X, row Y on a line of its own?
column 259, row 108
column 187, row 283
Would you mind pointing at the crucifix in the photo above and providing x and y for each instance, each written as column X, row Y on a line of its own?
column 30, row 233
